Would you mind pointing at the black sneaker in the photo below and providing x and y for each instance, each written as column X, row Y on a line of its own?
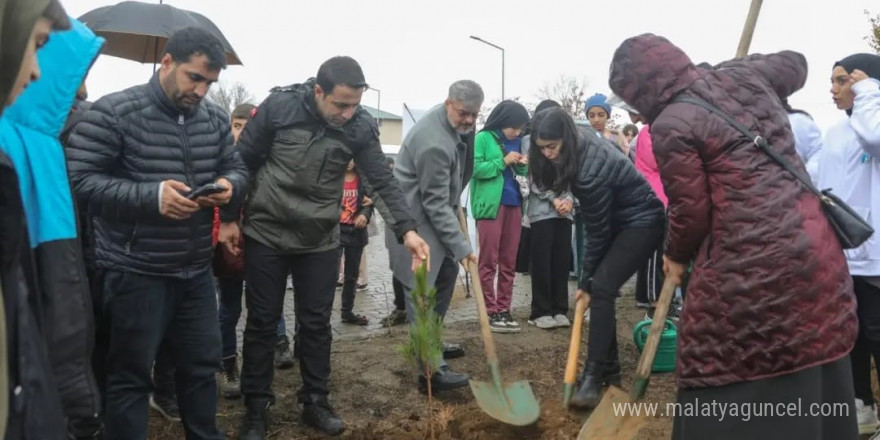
column 511, row 323
column 319, row 415
column 231, row 387
column 673, row 314
column 452, row 351
column 283, row 355
column 498, row 325
column 166, row 406
column 354, row 318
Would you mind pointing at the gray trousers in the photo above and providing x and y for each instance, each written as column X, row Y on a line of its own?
column 445, row 285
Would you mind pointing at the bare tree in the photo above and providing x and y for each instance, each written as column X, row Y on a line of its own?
column 228, row 97
column 569, row 92
column 873, row 38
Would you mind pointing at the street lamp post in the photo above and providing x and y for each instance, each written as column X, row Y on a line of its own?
column 502, row 60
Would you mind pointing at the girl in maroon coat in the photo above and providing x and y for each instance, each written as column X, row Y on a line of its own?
column 770, row 314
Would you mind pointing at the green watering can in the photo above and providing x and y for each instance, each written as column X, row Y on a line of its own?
column 664, row 361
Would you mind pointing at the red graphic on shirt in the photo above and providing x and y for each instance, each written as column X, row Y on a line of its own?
column 349, row 202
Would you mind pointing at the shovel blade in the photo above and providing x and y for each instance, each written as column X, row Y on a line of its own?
column 610, row 420
column 514, row 404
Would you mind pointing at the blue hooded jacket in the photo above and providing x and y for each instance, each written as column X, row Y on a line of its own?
column 53, row 270
column 30, row 128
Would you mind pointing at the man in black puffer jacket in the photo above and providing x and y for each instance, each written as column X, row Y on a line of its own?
column 132, row 159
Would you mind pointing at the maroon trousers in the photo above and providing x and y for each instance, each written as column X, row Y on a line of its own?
column 499, row 242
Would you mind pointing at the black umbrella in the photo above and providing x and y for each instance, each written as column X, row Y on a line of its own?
column 138, row 31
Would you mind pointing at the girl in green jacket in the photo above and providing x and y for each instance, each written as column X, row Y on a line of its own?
column 496, row 204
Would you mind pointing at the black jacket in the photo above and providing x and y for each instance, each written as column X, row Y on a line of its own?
column 613, row 196
column 27, row 320
column 127, row 143
column 298, row 165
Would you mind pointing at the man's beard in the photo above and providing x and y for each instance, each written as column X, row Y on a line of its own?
column 182, row 105
column 462, row 130
column 458, row 128
column 174, row 95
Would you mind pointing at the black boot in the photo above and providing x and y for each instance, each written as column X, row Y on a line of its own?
column 590, row 385
column 319, row 415
column 443, row 379
column 256, row 420
column 612, row 368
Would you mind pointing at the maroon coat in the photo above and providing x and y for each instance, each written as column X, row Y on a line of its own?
column 770, row 293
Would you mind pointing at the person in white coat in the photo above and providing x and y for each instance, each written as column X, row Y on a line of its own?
column 850, row 166
column 807, row 139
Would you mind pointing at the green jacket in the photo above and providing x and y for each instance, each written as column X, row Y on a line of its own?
column 488, row 180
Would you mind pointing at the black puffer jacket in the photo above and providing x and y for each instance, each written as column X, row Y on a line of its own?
column 129, row 142
column 613, row 196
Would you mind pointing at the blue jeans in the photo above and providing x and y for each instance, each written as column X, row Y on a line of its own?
column 142, row 312
column 230, row 312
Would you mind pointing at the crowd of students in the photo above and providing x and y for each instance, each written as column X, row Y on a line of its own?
column 115, row 244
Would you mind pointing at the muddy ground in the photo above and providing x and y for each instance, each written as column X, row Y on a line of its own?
column 374, row 390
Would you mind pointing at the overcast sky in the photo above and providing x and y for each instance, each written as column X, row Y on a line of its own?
column 413, row 49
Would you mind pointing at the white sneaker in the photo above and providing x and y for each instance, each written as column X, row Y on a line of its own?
column 867, row 417
column 562, row 320
column 544, row 322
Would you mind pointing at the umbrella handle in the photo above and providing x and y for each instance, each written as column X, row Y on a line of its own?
column 575, row 346
column 488, row 342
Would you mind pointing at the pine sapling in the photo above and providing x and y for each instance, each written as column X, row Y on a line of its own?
column 424, row 348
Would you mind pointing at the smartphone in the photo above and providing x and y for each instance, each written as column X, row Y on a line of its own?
column 206, row 190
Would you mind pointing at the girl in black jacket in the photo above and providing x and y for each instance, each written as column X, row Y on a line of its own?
column 624, row 223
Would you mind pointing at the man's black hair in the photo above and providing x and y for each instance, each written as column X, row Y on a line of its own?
column 196, row 41
column 341, row 71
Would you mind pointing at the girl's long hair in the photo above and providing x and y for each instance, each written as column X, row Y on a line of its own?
column 554, row 124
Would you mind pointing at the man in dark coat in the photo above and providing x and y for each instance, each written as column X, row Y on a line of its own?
column 133, row 160
column 298, row 147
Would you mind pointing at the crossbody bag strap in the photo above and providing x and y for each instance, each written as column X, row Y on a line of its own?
column 759, row 141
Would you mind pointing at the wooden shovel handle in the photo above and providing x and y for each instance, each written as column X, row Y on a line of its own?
column 575, row 346
column 661, row 310
column 488, row 342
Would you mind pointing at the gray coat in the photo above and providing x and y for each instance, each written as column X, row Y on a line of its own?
column 539, row 204
column 432, row 170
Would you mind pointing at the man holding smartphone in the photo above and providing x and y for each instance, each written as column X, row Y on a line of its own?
column 133, row 159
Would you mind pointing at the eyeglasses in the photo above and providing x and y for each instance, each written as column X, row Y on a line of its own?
column 464, row 114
